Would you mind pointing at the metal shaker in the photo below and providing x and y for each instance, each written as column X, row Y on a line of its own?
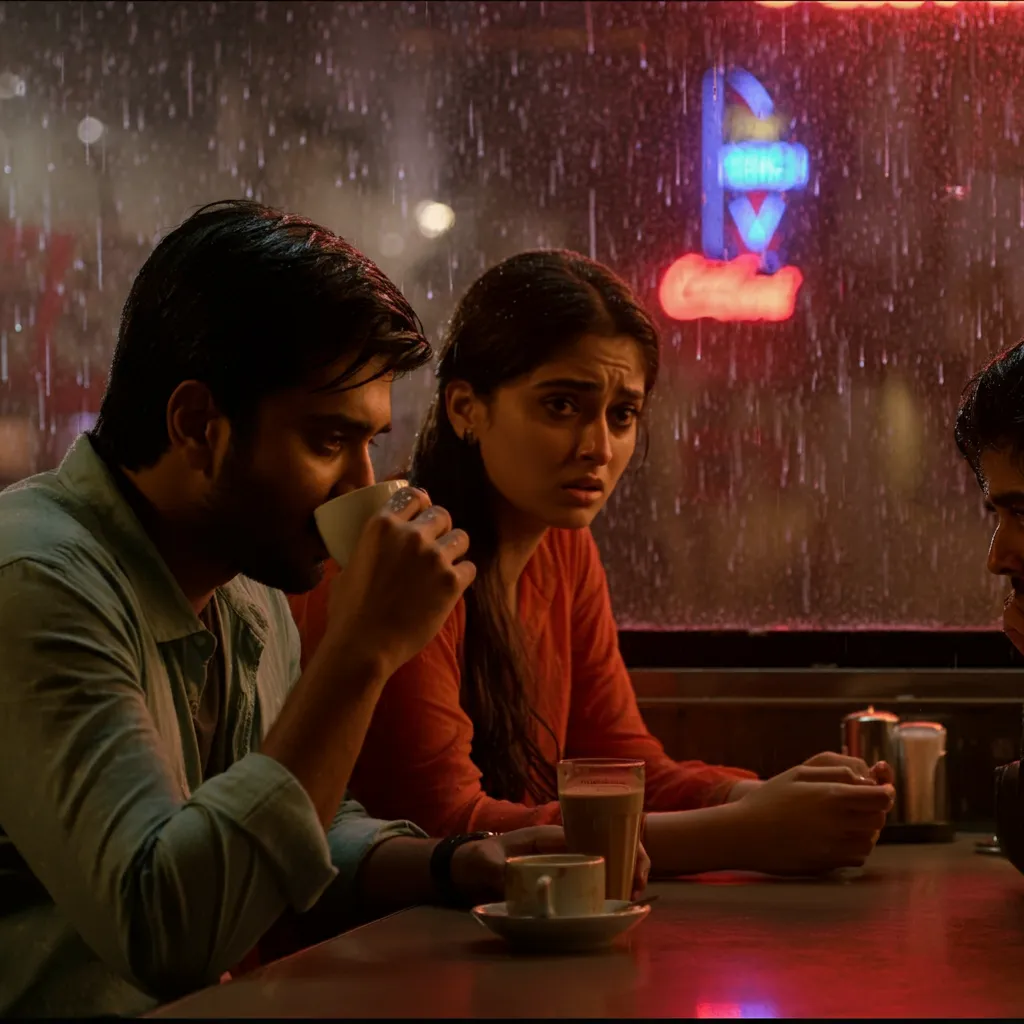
column 873, row 736
column 921, row 781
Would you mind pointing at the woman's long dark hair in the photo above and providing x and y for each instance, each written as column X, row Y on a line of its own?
column 517, row 316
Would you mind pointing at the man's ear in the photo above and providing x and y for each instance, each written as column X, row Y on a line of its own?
column 197, row 429
column 465, row 410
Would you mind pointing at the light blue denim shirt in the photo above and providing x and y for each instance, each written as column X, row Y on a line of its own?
column 125, row 879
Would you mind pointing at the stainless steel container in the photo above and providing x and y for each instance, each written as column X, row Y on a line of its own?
column 916, row 751
column 921, row 779
column 872, row 736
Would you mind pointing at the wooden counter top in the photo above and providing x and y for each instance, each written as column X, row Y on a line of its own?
column 927, row 931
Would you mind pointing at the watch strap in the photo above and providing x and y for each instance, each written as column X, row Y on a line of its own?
column 441, row 865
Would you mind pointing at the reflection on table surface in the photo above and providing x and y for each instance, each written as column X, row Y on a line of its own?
column 922, row 931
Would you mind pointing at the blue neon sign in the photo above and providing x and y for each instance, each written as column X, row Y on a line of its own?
column 731, row 170
column 764, row 166
column 757, row 229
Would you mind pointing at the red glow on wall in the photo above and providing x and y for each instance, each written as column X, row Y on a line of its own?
column 695, row 287
column 28, row 252
column 843, row 5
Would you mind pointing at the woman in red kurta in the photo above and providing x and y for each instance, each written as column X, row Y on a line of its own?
column 417, row 754
column 542, row 381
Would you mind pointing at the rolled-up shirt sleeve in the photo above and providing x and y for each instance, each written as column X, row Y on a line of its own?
column 353, row 836
column 168, row 888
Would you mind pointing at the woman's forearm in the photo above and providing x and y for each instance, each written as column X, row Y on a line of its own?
column 741, row 789
column 690, row 842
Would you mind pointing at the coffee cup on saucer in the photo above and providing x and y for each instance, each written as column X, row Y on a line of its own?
column 556, row 903
column 341, row 520
column 554, row 885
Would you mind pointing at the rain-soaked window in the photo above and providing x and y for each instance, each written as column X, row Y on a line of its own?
column 823, row 204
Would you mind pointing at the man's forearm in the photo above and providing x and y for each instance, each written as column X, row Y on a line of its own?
column 396, row 875
column 320, row 730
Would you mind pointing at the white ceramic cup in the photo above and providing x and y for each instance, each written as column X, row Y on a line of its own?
column 341, row 520
column 554, row 885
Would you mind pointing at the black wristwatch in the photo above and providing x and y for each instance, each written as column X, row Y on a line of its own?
column 441, row 865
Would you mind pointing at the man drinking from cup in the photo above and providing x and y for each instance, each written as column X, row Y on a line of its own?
column 170, row 782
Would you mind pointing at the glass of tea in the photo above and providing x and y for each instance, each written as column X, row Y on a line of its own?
column 602, row 803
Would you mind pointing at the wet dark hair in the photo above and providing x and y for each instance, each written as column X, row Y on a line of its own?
column 991, row 413
column 249, row 301
column 517, row 316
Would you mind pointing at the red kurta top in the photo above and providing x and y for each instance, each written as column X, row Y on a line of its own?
column 415, row 763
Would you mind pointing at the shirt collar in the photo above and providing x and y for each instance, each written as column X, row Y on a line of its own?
column 170, row 616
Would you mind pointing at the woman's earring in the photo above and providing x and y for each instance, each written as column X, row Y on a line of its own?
column 469, row 438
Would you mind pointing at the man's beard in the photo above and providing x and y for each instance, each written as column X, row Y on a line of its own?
column 249, row 525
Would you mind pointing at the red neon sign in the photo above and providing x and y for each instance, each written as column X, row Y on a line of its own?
column 904, row 5
column 696, row 287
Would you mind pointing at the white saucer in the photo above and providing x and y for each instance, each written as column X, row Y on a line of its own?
column 562, row 934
